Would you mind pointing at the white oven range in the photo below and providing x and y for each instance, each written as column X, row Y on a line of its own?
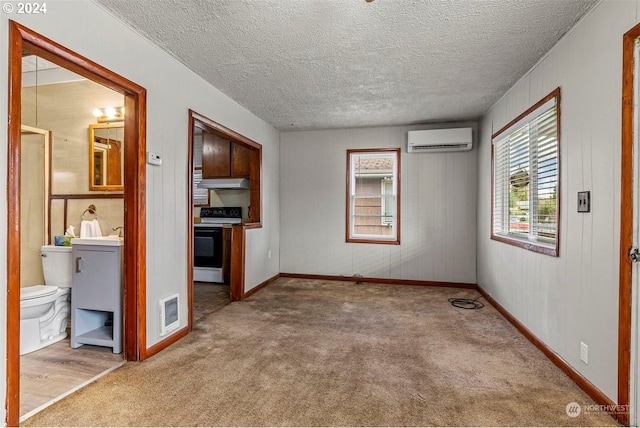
column 208, row 242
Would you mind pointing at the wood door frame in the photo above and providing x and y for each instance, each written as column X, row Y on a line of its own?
column 21, row 40
column 626, row 227
column 238, row 232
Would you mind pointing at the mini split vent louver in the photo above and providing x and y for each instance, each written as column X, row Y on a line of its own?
column 440, row 140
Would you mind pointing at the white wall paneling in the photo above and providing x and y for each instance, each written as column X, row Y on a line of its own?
column 438, row 209
column 574, row 297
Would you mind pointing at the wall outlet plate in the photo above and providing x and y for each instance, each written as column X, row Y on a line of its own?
column 154, row 158
column 584, row 202
column 584, row 352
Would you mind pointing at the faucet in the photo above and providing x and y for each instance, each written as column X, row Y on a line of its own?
column 120, row 228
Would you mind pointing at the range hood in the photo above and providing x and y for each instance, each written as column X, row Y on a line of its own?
column 224, row 183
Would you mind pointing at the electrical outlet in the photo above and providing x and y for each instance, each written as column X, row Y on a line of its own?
column 269, row 254
column 584, row 352
column 154, row 158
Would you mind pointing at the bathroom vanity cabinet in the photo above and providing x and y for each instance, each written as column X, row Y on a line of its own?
column 96, row 296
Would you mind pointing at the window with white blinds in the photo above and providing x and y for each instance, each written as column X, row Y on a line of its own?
column 526, row 178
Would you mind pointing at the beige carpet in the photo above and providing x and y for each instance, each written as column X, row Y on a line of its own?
column 302, row 352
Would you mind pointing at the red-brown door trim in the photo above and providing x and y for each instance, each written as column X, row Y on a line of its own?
column 238, row 232
column 626, row 226
column 189, row 231
column 13, row 229
column 238, row 239
column 21, row 40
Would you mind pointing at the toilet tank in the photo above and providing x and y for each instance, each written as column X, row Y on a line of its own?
column 57, row 265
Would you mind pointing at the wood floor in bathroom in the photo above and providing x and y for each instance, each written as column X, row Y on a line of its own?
column 56, row 370
column 52, row 372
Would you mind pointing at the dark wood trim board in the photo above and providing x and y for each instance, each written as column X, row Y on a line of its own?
column 579, row 380
column 626, row 222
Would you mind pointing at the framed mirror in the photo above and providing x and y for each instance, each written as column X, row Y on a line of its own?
column 106, row 152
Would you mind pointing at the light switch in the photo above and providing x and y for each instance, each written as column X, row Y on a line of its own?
column 584, row 202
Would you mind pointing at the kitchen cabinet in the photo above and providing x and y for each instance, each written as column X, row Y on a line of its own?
column 216, row 156
column 96, row 296
column 222, row 158
column 240, row 161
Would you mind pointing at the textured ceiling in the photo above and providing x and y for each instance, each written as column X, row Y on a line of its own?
column 317, row 64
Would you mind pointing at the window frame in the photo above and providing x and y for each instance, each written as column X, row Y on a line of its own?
column 526, row 117
column 383, row 206
column 372, row 239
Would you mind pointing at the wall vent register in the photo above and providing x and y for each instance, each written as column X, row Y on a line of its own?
column 169, row 314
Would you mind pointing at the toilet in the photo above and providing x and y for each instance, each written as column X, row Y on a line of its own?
column 45, row 309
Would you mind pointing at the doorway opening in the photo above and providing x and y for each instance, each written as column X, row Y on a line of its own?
column 24, row 42
column 55, row 154
column 219, row 213
column 629, row 303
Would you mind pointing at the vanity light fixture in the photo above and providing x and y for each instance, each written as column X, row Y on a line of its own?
column 109, row 114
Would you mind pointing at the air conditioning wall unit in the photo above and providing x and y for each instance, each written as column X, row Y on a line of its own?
column 440, row 140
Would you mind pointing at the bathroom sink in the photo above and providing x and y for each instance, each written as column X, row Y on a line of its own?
column 111, row 240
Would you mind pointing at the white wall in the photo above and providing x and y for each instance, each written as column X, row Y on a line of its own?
column 574, row 297
column 438, row 211
column 86, row 28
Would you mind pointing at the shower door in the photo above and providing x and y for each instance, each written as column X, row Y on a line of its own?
column 34, row 192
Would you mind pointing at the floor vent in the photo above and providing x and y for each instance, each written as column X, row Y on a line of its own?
column 169, row 319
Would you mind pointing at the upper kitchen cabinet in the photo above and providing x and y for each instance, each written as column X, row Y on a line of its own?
column 222, row 159
column 240, row 161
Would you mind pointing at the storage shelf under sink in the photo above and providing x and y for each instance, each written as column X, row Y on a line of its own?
column 101, row 334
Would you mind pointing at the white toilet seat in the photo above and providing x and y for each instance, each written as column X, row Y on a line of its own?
column 35, row 291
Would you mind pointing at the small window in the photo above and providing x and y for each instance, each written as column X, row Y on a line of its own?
column 373, row 195
column 200, row 196
column 526, row 178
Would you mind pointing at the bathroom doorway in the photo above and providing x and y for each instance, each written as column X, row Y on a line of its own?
column 23, row 42
column 54, row 191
